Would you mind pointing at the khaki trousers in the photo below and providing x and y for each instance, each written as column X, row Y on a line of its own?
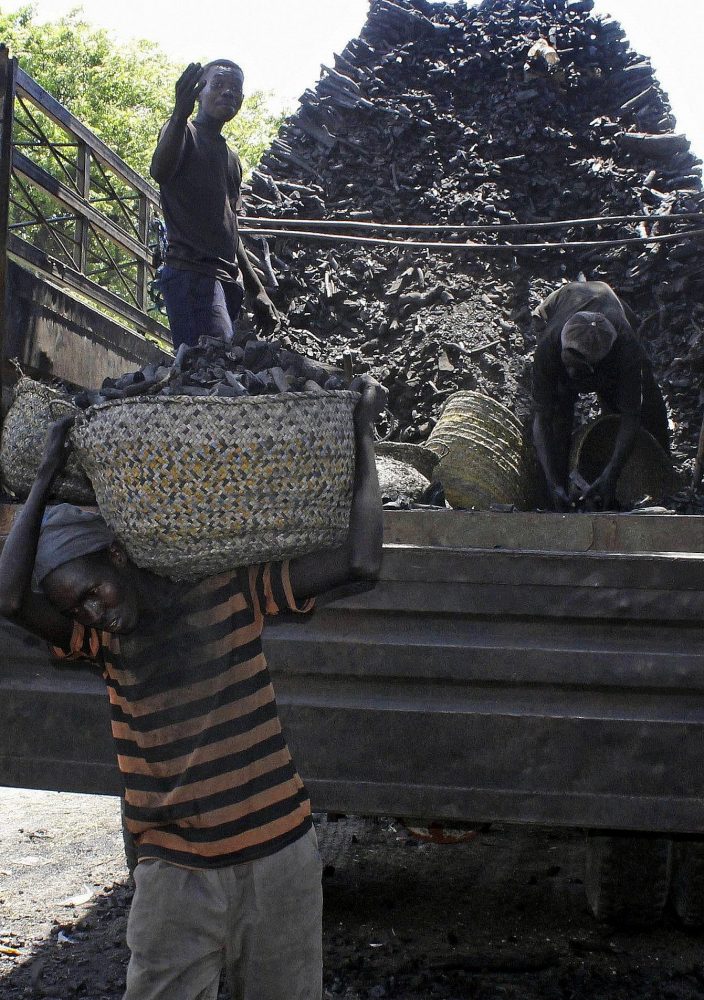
column 261, row 921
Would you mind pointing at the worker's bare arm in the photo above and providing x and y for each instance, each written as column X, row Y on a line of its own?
column 167, row 154
column 17, row 600
column 264, row 308
column 603, row 489
column 544, row 449
column 360, row 557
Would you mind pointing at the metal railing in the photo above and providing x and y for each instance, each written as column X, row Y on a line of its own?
column 71, row 208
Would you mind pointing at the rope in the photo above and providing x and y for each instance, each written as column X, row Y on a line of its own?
column 480, row 248
column 484, row 228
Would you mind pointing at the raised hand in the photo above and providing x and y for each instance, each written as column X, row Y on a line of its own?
column 188, row 87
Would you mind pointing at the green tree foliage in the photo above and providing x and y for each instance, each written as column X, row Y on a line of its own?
column 123, row 92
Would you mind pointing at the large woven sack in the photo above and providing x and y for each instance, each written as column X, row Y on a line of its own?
column 480, row 447
column 194, row 486
column 24, row 431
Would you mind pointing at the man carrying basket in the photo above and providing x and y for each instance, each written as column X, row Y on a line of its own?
column 229, row 875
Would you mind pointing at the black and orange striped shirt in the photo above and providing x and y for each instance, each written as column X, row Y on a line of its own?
column 209, row 780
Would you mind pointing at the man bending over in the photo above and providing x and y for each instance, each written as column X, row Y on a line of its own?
column 586, row 344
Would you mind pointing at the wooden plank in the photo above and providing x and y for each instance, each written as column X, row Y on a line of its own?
column 497, row 749
column 43, row 179
column 361, row 797
column 491, row 650
column 63, row 117
column 546, row 531
column 463, row 529
column 565, row 771
column 610, row 603
column 595, row 724
column 555, row 758
column 57, row 775
column 8, row 68
column 65, row 275
column 515, row 568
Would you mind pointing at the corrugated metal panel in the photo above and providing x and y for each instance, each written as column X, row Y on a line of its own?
column 54, row 721
column 513, row 687
column 473, row 684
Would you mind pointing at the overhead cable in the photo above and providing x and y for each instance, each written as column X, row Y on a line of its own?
column 469, row 228
column 479, row 248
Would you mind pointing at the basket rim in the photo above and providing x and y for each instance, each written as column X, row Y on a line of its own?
column 260, row 400
column 26, row 384
column 495, row 410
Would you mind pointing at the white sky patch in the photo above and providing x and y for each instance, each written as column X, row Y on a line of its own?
column 280, row 44
column 671, row 33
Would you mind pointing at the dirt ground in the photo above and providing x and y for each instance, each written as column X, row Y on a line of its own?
column 501, row 917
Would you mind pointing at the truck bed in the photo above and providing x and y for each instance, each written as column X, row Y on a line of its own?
column 529, row 668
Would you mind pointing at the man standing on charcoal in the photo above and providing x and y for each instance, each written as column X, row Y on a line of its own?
column 229, row 874
column 200, row 178
column 586, row 344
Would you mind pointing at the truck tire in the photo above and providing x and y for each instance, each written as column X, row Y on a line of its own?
column 687, row 890
column 627, row 877
column 338, row 837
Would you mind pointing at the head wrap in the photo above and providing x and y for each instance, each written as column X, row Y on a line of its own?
column 68, row 533
column 591, row 335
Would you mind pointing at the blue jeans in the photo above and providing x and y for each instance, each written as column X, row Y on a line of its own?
column 199, row 305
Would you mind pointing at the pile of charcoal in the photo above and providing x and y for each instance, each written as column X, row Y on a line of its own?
column 214, row 367
column 512, row 111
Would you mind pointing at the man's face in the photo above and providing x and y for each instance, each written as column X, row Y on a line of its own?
column 96, row 591
column 222, row 96
column 577, row 368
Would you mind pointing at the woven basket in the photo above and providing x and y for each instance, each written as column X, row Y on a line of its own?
column 481, row 450
column 648, row 471
column 194, row 486
column 36, row 406
column 415, row 455
column 399, row 480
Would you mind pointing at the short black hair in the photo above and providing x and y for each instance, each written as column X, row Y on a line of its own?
column 226, row 64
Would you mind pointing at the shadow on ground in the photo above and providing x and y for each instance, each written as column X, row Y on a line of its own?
column 501, row 917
